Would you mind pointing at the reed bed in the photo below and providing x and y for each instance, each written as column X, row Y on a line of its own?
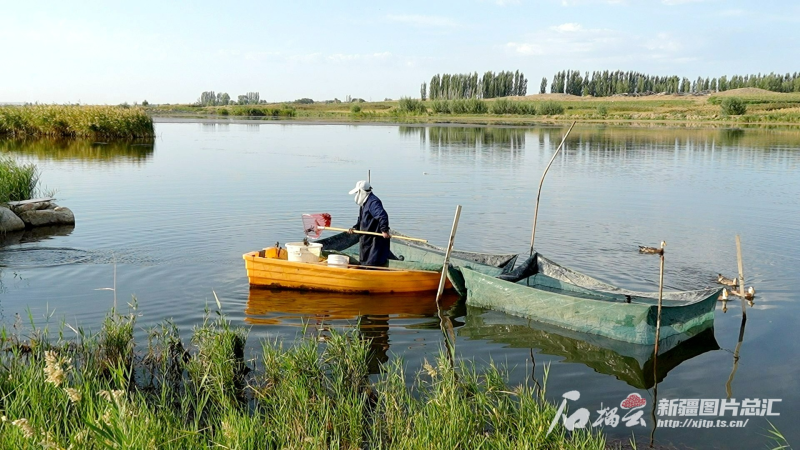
column 75, row 121
column 97, row 391
column 17, row 181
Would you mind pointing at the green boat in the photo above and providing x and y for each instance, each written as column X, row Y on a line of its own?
column 635, row 364
column 423, row 256
column 553, row 294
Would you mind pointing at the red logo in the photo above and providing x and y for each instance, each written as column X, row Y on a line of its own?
column 633, row 401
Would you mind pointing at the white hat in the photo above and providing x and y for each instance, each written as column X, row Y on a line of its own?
column 361, row 186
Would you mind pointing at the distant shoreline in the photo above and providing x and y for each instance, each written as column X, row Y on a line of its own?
column 469, row 121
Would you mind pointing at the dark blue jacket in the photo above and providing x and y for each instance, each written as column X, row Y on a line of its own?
column 374, row 250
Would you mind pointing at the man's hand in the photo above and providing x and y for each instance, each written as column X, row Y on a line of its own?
column 386, row 235
column 350, row 231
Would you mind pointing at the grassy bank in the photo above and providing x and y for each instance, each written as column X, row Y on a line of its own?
column 17, row 181
column 98, row 392
column 75, row 121
column 762, row 107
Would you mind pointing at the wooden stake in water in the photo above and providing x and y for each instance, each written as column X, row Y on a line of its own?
column 447, row 255
column 660, row 295
column 741, row 275
column 444, row 322
column 539, row 193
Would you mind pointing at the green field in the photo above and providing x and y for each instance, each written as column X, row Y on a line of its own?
column 763, row 107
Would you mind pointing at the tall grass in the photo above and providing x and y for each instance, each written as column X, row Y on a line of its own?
column 411, row 106
column 256, row 111
column 460, row 106
column 505, row 106
column 95, row 392
column 17, row 181
column 75, row 121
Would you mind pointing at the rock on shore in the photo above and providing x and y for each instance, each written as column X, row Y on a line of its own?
column 10, row 221
column 36, row 214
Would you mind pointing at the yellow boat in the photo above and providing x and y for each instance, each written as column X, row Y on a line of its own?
column 282, row 274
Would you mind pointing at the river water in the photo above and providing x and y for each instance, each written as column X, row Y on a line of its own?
column 168, row 222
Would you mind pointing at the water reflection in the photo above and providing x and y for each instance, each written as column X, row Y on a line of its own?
column 113, row 151
column 34, row 235
column 476, row 138
column 634, row 364
column 373, row 314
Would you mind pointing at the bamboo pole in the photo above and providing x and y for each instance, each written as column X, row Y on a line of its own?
column 444, row 322
column 729, row 384
column 660, row 295
column 741, row 275
column 447, row 255
column 539, row 193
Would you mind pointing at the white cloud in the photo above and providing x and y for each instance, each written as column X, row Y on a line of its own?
column 422, row 21
column 567, row 38
column 733, row 13
column 572, row 41
column 570, row 26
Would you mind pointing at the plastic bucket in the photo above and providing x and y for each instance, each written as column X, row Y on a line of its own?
column 299, row 252
column 338, row 260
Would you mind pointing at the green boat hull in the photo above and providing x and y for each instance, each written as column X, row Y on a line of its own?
column 605, row 311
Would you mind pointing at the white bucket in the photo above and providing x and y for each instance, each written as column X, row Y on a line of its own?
column 338, row 260
column 298, row 252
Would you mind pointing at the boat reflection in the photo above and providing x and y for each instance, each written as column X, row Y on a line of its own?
column 632, row 363
column 372, row 314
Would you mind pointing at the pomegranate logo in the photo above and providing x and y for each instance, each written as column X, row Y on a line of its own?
column 633, row 401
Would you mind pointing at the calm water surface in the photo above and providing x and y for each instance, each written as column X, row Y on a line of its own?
column 175, row 217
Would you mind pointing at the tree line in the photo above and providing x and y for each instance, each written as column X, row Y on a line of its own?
column 210, row 98
column 607, row 83
column 465, row 85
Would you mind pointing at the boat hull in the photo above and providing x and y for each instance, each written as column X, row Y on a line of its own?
column 587, row 311
column 282, row 274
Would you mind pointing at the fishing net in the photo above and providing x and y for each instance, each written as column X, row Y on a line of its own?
column 313, row 224
column 550, row 293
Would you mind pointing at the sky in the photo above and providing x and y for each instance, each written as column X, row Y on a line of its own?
column 166, row 51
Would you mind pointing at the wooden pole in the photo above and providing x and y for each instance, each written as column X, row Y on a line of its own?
column 660, row 295
column 729, row 384
column 447, row 255
column 539, row 193
column 444, row 322
column 741, row 275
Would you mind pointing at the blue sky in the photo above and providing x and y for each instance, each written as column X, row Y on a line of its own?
column 169, row 52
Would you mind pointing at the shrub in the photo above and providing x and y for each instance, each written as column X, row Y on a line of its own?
column 17, row 181
column 602, row 110
column 550, row 108
column 441, row 106
column 733, row 106
column 468, row 106
column 355, row 109
column 412, row 105
column 505, row 106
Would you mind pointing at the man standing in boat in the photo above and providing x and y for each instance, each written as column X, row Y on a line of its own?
column 374, row 250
